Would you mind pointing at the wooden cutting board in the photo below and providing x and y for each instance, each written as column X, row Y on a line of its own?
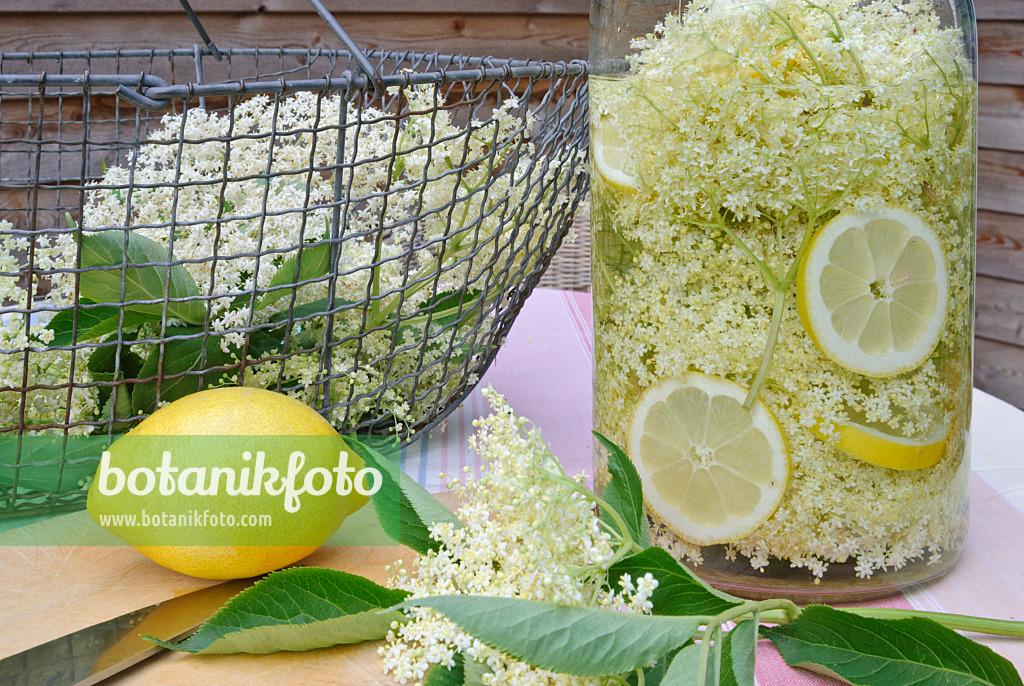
column 49, row 591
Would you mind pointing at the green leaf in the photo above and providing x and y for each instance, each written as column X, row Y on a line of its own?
column 887, row 652
column 106, row 249
column 178, row 356
column 94, row 322
column 463, row 673
column 624, row 493
column 442, row 675
column 39, row 468
column 680, row 592
column 685, row 668
column 730, row 665
column 101, row 361
column 311, row 309
column 301, row 608
column 654, row 673
column 312, row 262
column 568, row 639
column 739, row 652
column 404, row 509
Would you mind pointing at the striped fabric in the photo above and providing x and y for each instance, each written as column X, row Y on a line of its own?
column 545, row 370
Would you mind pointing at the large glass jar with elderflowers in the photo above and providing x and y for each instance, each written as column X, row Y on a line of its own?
column 783, row 217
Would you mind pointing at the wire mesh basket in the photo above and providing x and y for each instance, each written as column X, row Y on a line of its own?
column 174, row 220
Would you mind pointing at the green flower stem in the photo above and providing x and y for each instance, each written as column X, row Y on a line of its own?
column 979, row 625
column 778, row 310
column 780, row 286
column 629, row 546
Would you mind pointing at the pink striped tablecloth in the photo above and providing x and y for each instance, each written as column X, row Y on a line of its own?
column 545, row 370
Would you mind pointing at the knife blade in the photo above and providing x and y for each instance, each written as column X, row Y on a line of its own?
column 90, row 655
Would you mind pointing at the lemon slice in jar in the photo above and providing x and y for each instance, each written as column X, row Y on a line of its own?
column 712, row 470
column 882, row 445
column 611, row 158
column 872, row 291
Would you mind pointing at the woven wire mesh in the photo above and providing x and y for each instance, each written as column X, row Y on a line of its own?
column 272, row 223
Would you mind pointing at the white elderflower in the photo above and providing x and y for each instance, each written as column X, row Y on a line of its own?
column 529, row 533
column 232, row 196
column 760, row 118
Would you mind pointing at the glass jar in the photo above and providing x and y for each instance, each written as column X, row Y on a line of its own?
column 783, row 218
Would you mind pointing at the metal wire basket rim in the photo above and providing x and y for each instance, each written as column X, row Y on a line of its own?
column 159, row 97
column 158, row 93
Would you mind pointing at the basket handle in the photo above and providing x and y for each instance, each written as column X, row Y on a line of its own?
column 350, row 45
column 202, row 32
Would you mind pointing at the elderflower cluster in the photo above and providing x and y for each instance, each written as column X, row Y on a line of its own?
column 25, row 361
column 529, row 533
column 757, row 120
column 428, row 205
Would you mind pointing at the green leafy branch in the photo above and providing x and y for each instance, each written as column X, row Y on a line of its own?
column 682, row 642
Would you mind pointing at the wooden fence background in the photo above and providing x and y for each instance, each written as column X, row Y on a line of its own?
column 557, row 30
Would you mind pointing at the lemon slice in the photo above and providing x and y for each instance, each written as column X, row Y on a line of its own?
column 872, row 291
column 712, row 471
column 884, row 446
column 611, row 158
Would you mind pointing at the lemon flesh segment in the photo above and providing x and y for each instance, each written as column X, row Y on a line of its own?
column 872, row 291
column 611, row 158
column 712, row 471
column 881, row 445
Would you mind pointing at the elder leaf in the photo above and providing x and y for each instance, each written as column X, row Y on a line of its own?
column 624, row 492
column 310, row 263
column 93, row 322
column 181, row 357
column 404, row 509
column 108, row 258
column 568, row 639
column 739, row 652
column 679, row 592
column 887, row 652
column 685, row 668
column 296, row 609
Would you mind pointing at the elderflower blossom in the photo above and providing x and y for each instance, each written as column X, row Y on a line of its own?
column 527, row 534
column 434, row 206
column 25, row 360
column 747, row 116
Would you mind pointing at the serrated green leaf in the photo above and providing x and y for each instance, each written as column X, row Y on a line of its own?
column 442, row 675
column 887, row 652
column 739, row 653
column 179, row 356
column 94, row 323
column 311, row 309
column 296, row 609
column 581, row 641
column 685, row 668
column 107, row 249
column 404, row 509
column 101, row 361
column 680, row 591
column 312, row 262
column 624, row 492
column 653, row 674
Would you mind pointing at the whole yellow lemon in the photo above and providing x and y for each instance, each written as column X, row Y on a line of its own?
column 229, row 483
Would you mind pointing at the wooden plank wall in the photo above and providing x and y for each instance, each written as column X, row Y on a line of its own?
column 999, row 302
column 557, row 30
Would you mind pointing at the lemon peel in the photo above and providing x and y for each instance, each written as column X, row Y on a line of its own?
column 611, row 158
column 880, row 444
